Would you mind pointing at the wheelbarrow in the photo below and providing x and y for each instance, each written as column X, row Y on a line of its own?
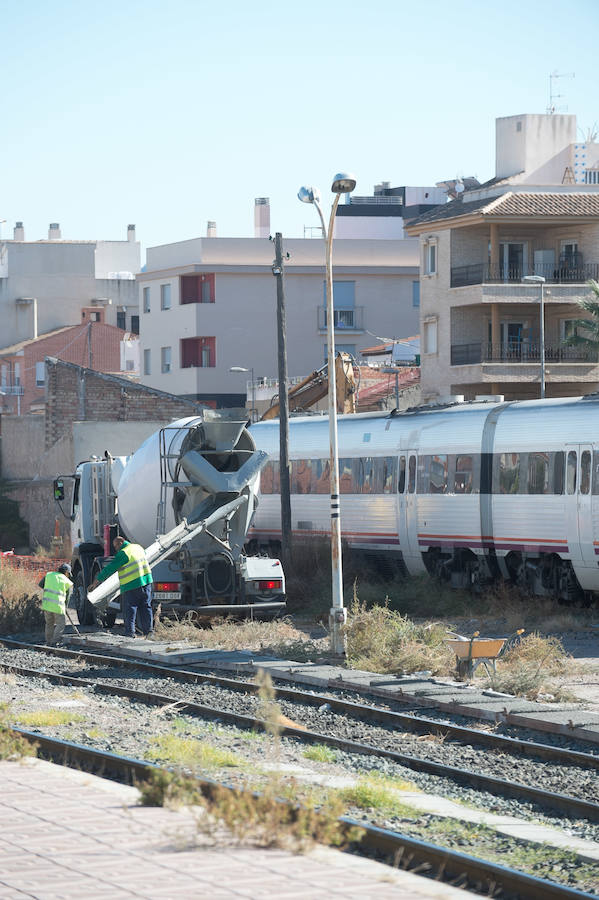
column 475, row 651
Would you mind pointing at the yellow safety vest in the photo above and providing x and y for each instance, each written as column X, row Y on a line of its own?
column 56, row 591
column 136, row 567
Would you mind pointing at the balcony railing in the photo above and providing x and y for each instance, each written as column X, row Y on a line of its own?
column 553, row 273
column 12, row 390
column 344, row 319
column 520, row 352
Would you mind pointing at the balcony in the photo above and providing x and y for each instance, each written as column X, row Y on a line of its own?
column 520, row 352
column 564, row 272
column 12, row 390
column 344, row 319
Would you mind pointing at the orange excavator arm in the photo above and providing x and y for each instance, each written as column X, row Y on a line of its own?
column 308, row 392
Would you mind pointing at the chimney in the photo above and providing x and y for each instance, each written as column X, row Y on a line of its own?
column 19, row 232
column 130, row 232
column 54, row 232
column 211, row 229
column 261, row 217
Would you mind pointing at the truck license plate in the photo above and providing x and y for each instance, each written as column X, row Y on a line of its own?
column 167, row 595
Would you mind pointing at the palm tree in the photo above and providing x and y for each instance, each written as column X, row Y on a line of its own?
column 589, row 326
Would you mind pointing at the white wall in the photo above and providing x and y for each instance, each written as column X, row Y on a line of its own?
column 382, row 228
column 525, row 143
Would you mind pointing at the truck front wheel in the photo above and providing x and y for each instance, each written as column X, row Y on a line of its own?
column 85, row 611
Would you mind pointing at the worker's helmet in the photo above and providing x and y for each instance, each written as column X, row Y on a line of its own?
column 65, row 569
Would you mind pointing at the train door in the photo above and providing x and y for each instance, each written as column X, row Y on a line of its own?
column 408, row 513
column 579, row 498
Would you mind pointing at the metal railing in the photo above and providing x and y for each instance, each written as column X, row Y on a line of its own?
column 344, row 319
column 520, row 352
column 553, row 273
column 12, row 390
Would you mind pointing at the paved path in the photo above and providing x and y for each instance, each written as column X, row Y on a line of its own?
column 66, row 835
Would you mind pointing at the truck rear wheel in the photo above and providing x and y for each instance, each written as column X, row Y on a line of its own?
column 85, row 611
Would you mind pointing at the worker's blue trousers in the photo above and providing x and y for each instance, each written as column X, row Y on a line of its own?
column 138, row 600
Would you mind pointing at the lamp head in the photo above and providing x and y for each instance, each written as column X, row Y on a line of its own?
column 533, row 279
column 238, row 369
column 309, row 194
column 343, row 183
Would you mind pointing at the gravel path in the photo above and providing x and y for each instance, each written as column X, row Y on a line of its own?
column 131, row 728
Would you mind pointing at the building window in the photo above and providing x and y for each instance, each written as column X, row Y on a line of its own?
column 415, row 294
column 135, row 324
column 430, row 257
column 198, row 353
column 146, row 300
column 121, row 320
column 40, row 374
column 198, row 288
column 165, row 360
column 430, row 336
column 340, row 348
column 344, row 301
column 165, row 296
column 147, row 362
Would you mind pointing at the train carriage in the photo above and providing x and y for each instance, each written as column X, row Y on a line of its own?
column 469, row 491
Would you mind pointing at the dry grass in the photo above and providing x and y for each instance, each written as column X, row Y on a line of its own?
column 181, row 751
column 279, row 637
column 12, row 746
column 20, row 601
column 526, row 669
column 382, row 640
column 48, row 717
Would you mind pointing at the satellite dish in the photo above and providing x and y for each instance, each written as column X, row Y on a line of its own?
column 459, row 187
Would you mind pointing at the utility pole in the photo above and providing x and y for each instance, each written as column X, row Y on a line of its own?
column 284, row 466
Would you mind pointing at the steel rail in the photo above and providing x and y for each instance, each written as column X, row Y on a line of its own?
column 410, row 853
column 404, row 721
column 562, row 803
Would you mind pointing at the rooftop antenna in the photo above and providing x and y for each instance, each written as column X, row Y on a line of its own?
column 552, row 108
column 590, row 135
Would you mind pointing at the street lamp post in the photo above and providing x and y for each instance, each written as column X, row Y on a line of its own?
column 251, row 371
column 342, row 184
column 538, row 279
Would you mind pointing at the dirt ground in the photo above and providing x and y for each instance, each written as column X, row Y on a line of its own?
column 583, row 646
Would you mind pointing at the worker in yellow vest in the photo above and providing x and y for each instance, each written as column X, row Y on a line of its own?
column 57, row 588
column 135, row 579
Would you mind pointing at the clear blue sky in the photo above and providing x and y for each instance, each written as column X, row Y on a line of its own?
column 167, row 114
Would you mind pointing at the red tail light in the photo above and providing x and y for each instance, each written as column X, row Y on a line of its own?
column 270, row 585
column 167, row 586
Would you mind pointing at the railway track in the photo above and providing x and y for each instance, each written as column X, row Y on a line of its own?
column 369, row 712
column 564, row 804
column 418, row 856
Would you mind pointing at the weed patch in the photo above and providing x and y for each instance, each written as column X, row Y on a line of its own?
column 12, row 746
column 374, row 794
column 19, row 611
column 526, row 667
column 182, row 751
column 320, row 753
column 49, row 717
column 170, row 789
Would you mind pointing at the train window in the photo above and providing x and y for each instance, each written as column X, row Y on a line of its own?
column 266, row 479
column 388, row 468
column 301, row 475
column 571, row 472
column 320, row 476
column 462, row 479
column 538, row 473
column 412, row 475
column 558, row 472
column 585, row 472
column 509, row 473
column 346, row 481
column 595, row 472
column 438, row 474
column 401, row 484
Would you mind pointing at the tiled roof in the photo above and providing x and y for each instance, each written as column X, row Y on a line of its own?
column 452, row 210
column 570, row 204
column 514, row 203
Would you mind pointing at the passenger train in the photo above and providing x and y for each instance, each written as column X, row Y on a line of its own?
column 469, row 491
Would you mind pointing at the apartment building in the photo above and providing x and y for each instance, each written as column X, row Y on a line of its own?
column 485, row 330
column 44, row 284
column 209, row 304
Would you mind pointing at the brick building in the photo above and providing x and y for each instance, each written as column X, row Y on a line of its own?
column 85, row 412
column 93, row 343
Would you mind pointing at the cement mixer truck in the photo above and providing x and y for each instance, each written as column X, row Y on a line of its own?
column 187, row 495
